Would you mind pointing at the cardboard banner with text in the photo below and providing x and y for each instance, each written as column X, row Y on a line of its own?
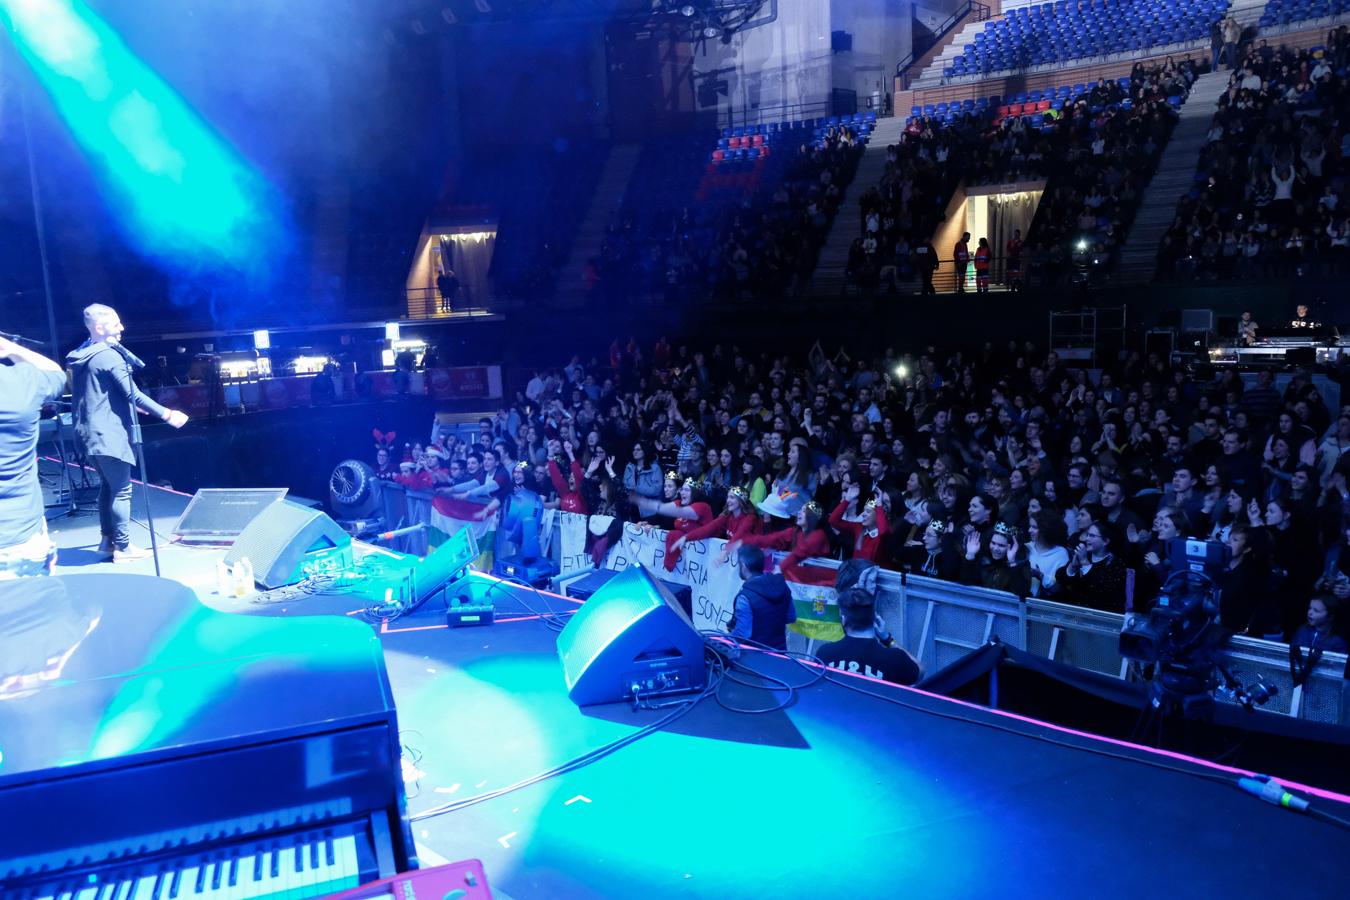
column 712, row 583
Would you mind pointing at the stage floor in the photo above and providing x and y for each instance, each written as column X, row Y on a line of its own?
column 847, row 793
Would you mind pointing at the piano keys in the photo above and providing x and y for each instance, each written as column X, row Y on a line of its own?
column 174, row 751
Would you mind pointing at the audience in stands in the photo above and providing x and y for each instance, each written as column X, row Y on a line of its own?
column 748, row 229
column 1095, row 150
column 1268, row 198
column 1002, row 468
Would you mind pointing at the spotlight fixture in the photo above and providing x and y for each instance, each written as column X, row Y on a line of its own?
column 711, row 31
column 687, row 10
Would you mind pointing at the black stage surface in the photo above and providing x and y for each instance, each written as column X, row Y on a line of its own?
column 857, row 789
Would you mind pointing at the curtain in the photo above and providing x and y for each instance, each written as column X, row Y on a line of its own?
column 470, row 258
column 1007, row 213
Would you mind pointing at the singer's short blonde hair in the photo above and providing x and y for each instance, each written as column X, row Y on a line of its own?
column 95, row 313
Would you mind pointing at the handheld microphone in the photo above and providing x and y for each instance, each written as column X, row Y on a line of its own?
column 20, row 339
column 399, row 532
column 132, row 359
column 1271, row 791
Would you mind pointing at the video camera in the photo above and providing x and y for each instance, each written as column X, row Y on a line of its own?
column 1181, row 634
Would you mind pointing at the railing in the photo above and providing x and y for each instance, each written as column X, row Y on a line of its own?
column 885, row 275
column 782, row 112
column 981, row 13
column 939, row 622
column 425, row 303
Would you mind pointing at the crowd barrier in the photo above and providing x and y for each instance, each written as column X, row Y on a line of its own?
column 937, row 621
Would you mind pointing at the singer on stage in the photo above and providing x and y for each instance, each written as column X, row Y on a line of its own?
column 105, row 398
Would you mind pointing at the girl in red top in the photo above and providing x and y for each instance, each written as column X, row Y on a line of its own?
column 804, row 540
column 737, row 520
column 689, row 512
column 982, row 260
column 569, row 489
column 868, row 537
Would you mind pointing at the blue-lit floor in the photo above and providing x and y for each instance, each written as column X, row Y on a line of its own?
column 842, row 794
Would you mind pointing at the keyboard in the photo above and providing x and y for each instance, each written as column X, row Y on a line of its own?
column 177, row 752
column 309, row 864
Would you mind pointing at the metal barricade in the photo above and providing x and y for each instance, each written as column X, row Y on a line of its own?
column 1075, row 636
column 943, row 621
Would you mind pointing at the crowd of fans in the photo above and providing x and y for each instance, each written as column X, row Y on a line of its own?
column 1268, row 198
column 756, row 232
column 1002, row 468
column 1095, row 152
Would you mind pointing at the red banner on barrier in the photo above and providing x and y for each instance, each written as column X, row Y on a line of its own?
column 466, row 383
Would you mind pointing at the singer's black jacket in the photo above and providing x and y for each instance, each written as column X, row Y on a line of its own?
column 103, row 392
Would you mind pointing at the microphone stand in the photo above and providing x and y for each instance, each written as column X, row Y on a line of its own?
column 138, row 448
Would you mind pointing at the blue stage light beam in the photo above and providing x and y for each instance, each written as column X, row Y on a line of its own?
column 181, row 192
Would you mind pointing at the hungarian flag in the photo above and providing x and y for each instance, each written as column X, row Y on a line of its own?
column 449, row 515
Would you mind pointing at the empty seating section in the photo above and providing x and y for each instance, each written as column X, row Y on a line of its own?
column 536, row 226
column 941, row 114
column 1064, row 31
column 751, row 142
column 746, row 210
column 1285, row 12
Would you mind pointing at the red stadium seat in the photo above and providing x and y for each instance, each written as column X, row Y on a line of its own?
column 1043, row 106
column 1003, row 112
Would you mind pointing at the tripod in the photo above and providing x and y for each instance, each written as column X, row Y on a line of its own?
column 67, row 500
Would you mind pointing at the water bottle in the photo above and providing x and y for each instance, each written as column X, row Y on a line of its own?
column 243, row 578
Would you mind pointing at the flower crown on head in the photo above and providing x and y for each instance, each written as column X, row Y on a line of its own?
column 1006, row 530
column 739, row 493
column 812, row 507
column 940, row 526
column 523, row 464
column 673, row 475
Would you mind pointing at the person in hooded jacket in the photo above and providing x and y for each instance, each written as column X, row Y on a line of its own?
column 105, row 399
column 764, row 607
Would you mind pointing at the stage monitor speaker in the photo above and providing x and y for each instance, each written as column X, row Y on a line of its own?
column 630, row 639
column 219, row 515
column 591, row 583
column 288, row 542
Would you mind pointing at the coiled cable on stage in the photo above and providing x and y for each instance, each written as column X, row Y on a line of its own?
column 680, row 709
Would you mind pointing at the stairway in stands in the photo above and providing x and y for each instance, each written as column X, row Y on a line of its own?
column 1173, row 178
column 829, row 276
column 609, row 191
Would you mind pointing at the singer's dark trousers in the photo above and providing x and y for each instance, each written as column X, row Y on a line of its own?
column 114, row 500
